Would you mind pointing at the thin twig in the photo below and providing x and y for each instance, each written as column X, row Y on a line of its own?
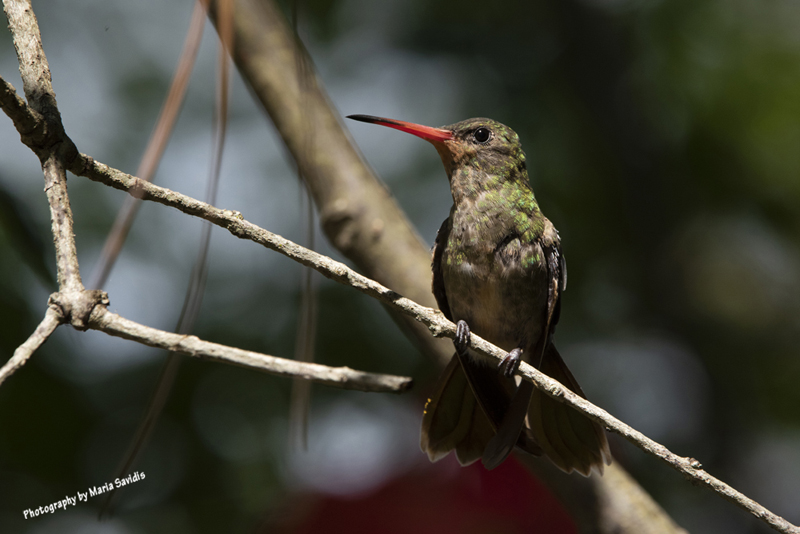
column 433, row 319
column 122, row 225
column 55, row 179
column 29, row 123
column 235, row 223
column 300, row 396
column 155, row 147
column 344, row 377
column 689, row 467
column 38, row 87
column 51, row 320
column 33, row 67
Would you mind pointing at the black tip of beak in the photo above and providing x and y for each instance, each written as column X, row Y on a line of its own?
column 366, row 118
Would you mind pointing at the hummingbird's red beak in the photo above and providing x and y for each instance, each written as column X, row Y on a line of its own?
column 425, row 132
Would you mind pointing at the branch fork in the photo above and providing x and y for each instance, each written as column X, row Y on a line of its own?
column 76, row 307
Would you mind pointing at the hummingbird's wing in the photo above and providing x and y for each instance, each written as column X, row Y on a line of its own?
column 436, row 265
column 570, row 439
column 452, row 418
column 557, row 278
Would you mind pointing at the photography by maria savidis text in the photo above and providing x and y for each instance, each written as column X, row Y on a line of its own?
column 83, row 497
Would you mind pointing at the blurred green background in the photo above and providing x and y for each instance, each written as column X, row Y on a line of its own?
column 663, row 141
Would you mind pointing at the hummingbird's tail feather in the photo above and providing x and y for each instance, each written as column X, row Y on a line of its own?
column 508, row 432
column 571, row 440
column 466, row 410
column 504, row 405
column 480, row 432
column 454, row 420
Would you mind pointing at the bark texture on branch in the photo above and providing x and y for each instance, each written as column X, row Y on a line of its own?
column 52, row 319
column 114, row 325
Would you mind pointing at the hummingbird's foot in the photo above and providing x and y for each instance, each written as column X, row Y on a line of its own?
column 461, row 340
column 510, row 363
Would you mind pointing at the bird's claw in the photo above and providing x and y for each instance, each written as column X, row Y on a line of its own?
column 510, row 363
column 461, row 340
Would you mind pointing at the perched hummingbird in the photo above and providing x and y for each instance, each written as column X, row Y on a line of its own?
column 498, row 271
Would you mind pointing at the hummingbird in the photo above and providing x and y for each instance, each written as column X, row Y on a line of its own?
column 498, row 271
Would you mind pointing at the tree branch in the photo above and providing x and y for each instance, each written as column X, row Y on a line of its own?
column 155, row 148
column 28, row 122
column 343, row 377
column 234, row 222
column 33, row 67
column 51, row 320
column 50, row 143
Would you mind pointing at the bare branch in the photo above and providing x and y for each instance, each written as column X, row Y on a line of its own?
column 155, row 147
column 55, row 179
column 235, row 223
column 343, row 377
column 51, row 320
column 33, row 67
column 28, row 122
column 53, row 147
column 689, row 467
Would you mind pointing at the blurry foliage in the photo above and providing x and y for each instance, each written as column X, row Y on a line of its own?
column 662, row 140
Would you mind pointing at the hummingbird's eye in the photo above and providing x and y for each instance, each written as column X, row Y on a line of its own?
column 482, row 134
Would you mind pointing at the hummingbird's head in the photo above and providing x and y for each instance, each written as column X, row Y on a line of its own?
column 482, row 145
column 476, row 152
